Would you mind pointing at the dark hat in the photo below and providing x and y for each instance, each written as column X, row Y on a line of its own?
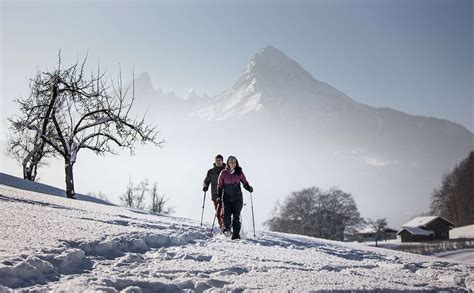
column 219, row 156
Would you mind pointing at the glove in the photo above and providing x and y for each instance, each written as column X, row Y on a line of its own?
column 249, row 188
column 205, row 188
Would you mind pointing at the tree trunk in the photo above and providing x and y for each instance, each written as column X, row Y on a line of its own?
column 69, row 179
column 29, row 172
column 25, row 172
column 34, row 172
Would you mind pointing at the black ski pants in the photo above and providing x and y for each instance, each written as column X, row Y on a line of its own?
column 232, row 209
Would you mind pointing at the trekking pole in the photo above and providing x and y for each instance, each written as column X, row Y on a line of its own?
column 253, row 217
column 215, row 216
column 203, row 201
column 212, row 228
column 241, row 220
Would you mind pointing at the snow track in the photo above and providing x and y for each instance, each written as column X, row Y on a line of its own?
column 52, row 243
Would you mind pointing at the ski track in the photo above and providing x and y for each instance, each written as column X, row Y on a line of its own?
column 55, row 244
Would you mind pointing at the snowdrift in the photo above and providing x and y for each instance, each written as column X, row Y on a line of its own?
column 53, row 243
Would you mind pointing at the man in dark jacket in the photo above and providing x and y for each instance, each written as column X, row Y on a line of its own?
column 211, row 179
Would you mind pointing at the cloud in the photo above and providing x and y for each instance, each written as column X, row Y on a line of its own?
column 377, row 162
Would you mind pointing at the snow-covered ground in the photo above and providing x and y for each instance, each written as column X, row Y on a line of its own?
column 390, row 243
column 13, row 181
column 460, row 255
column 53, row 243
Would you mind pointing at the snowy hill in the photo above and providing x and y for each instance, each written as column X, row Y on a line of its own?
column 53, row 243
column 12, row 181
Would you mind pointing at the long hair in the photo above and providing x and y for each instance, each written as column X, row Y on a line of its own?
column 238, row 169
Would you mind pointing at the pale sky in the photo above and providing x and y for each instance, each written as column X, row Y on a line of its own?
column 414, row 56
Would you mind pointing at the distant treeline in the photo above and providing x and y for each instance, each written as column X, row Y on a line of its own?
column 454, row 198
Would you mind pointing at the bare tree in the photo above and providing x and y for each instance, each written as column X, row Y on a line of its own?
column 29, row 150
column 379, row 226
column 159, row 202
column 313, row 212
column 141, row 190
column 24, row 145
column 134, row 196
column 128, row 199
column 87, row 112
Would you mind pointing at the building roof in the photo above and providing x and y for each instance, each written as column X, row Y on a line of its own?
column 462, row 232
column 423, row 221
column 417, row 231
column 371, row 230
column 390, row 230
column 366, row 230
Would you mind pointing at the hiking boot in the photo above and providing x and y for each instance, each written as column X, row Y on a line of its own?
column 227, row 232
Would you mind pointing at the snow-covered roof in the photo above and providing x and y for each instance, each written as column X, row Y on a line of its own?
column 417, row 231
column 462, row 232
column 368, row 230
column 423, row 221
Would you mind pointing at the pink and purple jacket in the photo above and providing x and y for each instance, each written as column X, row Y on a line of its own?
column 229, row 183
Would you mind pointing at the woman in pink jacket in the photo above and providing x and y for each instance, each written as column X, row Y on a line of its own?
column 228, row 186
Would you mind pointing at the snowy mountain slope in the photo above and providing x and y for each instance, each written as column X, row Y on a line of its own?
column 156, row 102
column 12, row 181
column 52, row 243
column 274, row 82
column 275, row 90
